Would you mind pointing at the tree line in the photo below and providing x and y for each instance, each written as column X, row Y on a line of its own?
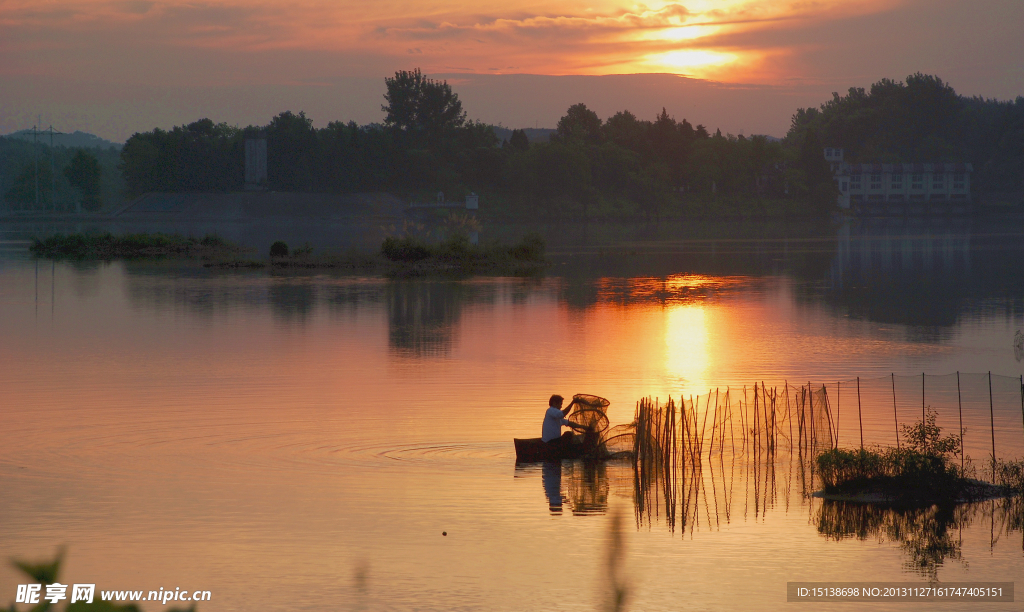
column 923, row 120
column 623, row 165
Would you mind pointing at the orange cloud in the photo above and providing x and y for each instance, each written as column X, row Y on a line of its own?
column 700, row 38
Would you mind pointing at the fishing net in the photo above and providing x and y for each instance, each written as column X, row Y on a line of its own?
column 590, row 412
column 620, row 440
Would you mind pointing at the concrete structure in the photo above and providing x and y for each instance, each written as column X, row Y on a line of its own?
column 255, row 164
column 900, row 188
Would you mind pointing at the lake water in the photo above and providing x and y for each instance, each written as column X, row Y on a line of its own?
column 302, row 441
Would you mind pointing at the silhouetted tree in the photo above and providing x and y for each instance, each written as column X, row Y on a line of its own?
column 580, row 124
column 418, row 104
column 23, row 192
column 518, row 140
column 291, row 152
column 84, row 174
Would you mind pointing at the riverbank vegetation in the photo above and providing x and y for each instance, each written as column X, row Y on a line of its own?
column 408, row 255
column 404, row 254
column 126, row 246
column 926, row 469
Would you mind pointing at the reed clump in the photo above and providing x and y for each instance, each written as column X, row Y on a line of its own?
column 1010, row 474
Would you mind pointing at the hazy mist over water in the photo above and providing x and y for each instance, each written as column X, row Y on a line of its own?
column 302, row 440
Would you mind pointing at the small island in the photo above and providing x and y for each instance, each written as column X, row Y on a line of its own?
column 923, row 471
column 399, row 256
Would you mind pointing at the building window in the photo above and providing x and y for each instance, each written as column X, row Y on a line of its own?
column 876, row 181
column 937, row 181
column 958, row 180
column 828, row 152
column 855, row 182
column 897, row 181
column 917, row 181
column 844, row 186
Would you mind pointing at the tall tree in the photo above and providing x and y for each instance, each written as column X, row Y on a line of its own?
column 291, row 152
column 519, row 141
column 28, row 187
column 579, row 124
column 418, row 104
column 84, row 174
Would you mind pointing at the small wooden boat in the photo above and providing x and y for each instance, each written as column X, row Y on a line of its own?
column 536, row 449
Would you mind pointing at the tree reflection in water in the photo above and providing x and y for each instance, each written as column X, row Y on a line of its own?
column 703, row 498
column 928, row 535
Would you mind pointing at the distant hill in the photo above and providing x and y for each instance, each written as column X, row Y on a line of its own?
column 77, row 139
column 532, row 134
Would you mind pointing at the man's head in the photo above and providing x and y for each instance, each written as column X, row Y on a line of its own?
column 556, row 401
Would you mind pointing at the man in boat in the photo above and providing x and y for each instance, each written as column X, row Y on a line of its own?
column 554, row 418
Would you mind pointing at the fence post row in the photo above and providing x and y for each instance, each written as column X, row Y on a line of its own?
column 992, row 420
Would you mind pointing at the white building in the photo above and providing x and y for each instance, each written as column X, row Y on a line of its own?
column 867, row 185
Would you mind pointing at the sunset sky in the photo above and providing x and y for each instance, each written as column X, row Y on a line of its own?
column 115, row 67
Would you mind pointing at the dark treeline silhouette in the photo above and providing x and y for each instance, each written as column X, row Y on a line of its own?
column 34, row 176
column 922, row 120
column 621, row 166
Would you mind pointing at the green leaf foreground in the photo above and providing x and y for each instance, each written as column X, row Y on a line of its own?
column 47, row 572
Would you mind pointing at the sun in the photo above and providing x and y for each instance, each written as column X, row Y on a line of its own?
column 690, row 61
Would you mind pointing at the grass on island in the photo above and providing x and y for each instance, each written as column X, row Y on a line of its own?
column 128, row 246
column 409, row 256
column 456, row 254
column 398, row 256
column 927, row 469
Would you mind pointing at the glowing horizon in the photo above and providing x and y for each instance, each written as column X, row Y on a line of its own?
column 165, row 62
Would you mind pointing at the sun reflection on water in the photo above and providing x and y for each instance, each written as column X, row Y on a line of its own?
column 686, row 344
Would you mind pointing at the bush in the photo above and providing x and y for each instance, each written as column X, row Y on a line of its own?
column 404, row 249
column 212, row 240
column 457, row 253
column 1010, row 474
column 279, row 249
column 531, row 248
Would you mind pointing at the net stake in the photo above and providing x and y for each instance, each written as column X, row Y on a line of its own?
column 895, row 417
column 960, row 405
column 860, row 419
column 992, row 421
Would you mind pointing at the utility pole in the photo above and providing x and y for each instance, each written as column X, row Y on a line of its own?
column 35, row 155
column 53, row 171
